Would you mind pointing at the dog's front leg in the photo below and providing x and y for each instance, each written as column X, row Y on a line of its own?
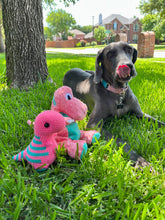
column 140, row 115
column 133, row 156
column 136, row 110
column 150, row 118
column 95, row 117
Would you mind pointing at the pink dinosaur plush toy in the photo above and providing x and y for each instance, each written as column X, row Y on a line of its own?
column 40, row 153
column 73, row 110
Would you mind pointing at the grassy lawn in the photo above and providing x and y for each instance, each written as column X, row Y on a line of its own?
column 103, row 185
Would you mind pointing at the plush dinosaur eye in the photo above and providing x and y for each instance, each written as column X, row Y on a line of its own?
column 46, row 125
column 68, row 96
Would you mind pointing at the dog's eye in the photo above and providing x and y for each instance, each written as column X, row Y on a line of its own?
column 110, row 54
column 128, row 50
column 68, row 96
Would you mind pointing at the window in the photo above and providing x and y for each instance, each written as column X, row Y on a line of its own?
column 115, row 26
column 136, row 27
column 135, row 38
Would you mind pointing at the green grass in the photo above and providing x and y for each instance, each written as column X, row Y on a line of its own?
column 103, row 185
column 160, row 46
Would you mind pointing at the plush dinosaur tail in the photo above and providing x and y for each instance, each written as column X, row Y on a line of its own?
column 19, row 156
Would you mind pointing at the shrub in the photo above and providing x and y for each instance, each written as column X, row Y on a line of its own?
column 78, row 44
column 111, row 39
column 88, row 44
column 82, row 43
column 99, row 33
column 93, row 43
column 103, row 42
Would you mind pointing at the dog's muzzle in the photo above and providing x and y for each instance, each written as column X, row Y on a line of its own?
column 123, row 71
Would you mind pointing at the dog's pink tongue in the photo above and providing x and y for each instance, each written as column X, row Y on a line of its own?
column 123, row 71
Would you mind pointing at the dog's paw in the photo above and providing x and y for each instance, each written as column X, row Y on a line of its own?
column 141, row 163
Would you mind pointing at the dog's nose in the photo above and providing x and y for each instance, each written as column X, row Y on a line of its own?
column 131, row 68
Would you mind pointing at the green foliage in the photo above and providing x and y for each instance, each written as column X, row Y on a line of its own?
column 154, row 11
column 88, row 44
column 149, row 21
column 48, row 33
column 103, row 185
column 99, row 33
column 154, row 22
column 60, row 21
column 78, row 44
column 159, row 30
column 83, row 43
column 93, row 43
column 85, row 29
column 152, row 7
column 103, row 42
column 51, row 3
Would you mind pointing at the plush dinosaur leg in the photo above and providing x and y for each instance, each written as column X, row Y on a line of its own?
column 75, row 149
column 90, row 136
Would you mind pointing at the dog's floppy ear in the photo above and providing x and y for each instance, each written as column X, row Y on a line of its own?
column 134, row 58
column 98, row 67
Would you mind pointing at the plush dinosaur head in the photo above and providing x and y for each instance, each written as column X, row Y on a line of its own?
column 65, row 102
column 48, row 122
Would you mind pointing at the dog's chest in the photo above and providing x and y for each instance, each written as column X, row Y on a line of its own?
column 120, row 106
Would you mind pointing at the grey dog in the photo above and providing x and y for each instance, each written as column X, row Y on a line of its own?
column 106, row 91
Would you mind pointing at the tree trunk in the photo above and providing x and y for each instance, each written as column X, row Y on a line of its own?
column 2, row 48
column 25, row 44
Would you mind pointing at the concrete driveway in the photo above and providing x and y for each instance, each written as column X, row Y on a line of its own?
column 157, row 53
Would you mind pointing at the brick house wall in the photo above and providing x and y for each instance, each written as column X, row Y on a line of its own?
column 79, row 36
column 110, row 26
column 62, row 44
column 132, row 30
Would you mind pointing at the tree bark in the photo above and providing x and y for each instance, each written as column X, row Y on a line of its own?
column 2, row 48
column 25, row 43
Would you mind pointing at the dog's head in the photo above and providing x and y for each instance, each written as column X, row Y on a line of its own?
column 115, row 62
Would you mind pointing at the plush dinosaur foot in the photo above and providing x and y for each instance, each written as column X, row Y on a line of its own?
column 96, row 136
column 41, row 170
column 84, row 151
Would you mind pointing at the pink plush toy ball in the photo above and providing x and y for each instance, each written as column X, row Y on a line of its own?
column 40, row 153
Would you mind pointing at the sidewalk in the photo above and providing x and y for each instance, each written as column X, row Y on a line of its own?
column 74, row 51
column 157, row 53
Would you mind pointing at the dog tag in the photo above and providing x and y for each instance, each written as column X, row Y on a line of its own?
column 120, row 105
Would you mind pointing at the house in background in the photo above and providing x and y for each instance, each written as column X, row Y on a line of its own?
column 89, row 37
column 77, row 34
column 121, row 24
